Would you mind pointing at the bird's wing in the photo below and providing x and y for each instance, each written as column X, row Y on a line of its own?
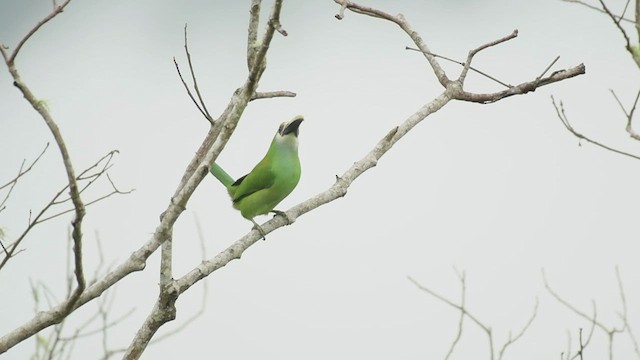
column 260, row 178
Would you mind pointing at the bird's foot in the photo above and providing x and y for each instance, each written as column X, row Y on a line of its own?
column 284, row 215
column 259, row 228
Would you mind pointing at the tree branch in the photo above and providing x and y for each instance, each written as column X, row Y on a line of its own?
column 595, row 8
column 565, row 121
column 164, row 310
column 473, row 53
column 10, row 58
column 271, row 94
column 519, row 89
column 78, row 205
column 404, row 25
column 628, row 115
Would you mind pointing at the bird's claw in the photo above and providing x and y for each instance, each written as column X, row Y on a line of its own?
column 259, row 228
column 284, row 215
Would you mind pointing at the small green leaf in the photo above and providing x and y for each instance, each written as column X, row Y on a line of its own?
column 635, row 50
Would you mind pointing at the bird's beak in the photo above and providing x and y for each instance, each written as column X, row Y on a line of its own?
column 292, row 126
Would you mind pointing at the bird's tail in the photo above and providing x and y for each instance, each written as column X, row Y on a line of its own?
column 221, row 175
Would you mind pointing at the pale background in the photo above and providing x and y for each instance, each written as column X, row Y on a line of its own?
column 500, row 191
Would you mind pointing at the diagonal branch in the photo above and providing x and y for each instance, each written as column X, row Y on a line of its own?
column 404, row 25
column 617, row 22
column 271, row 94
column 462, row 64
column 565, row 121
column 521, row 88
column 43, row 214
column 472, row 53
column 57, row 9
column 595, row 8
column 12, row 183
column 66, row 159
column 629, row 114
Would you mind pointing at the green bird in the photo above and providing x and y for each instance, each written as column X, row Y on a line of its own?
column 271, row 180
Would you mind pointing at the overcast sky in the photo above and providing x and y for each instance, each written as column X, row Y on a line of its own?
column 500, row 191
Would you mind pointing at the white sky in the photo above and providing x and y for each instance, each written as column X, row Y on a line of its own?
column 500, row 191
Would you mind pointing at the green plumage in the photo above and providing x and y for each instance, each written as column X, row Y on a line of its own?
column 271, row 180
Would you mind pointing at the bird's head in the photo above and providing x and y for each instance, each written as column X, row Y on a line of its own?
column 290, row 127
column 287, row 135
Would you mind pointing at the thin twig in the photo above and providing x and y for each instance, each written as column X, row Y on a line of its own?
column 462, row 309
column 524, row 329
column 549, row 67
column 57, row 9
column 473, row 52
column 617, row 22
column 628, row 115
column 462, row 64
column 595, row 8
column 624, row 316
column 194, row 78
column 565, row 121
column 272, row 94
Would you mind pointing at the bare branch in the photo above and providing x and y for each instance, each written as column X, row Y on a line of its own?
column 628, row 115
column 548, row 67
column 473, row 52
column 66, row 159
column 611, row 332
column 252, row 35
column 193, row 76
column 404, row 25
column 10, row 59
column 21, row 172
column 463, row 296
column 272, row 94
column 202, row 107
column 595, row 8
column 524, row 329
column 565, row 121
column 205, row 292
column 520, row 89
column 462, row 64
column 462, row 309
column 624, row 316
column 617, row 22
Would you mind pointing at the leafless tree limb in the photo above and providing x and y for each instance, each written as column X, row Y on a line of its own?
column 595, row 8
column 89, row 175
column 462, row 64
column 68, row 304
column 565, row 121
column 22, row 171
column 513, row 339
column 404, row 25
column 633, row 51
column 11, row 57
column 200, row 104
column 617, row 23
column 11, row 184
column 609, row 331
column 272, row 94
column 473, row 52
column 464, row 312
column 624, row 315
column 629, row 114
column 59, row 345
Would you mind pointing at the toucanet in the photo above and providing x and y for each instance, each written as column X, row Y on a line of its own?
column 271, row 180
